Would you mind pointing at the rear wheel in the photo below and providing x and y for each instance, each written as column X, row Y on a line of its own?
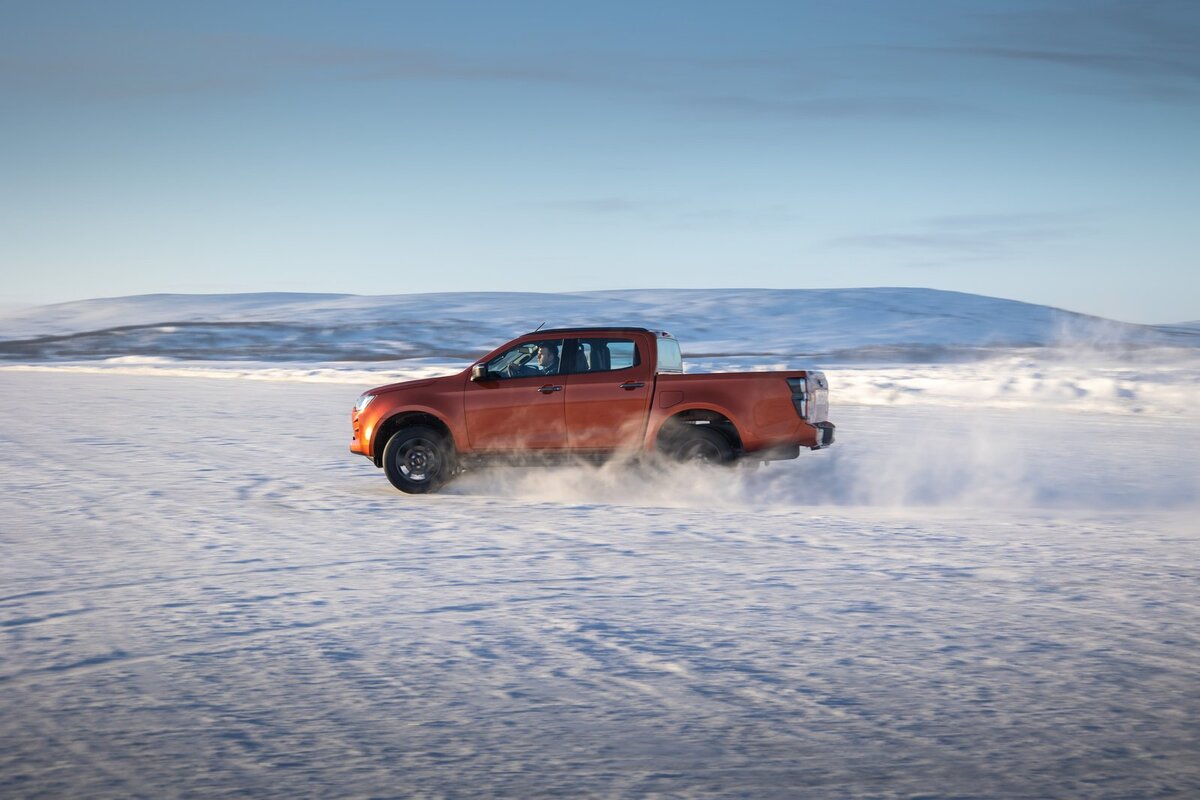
column 701, row 445
column 418, row 460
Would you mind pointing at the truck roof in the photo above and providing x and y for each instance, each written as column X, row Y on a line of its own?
column 593, row 328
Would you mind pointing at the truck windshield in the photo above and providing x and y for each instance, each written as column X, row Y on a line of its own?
column 669, row 357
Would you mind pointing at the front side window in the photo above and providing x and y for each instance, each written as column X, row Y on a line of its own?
column 528, row 360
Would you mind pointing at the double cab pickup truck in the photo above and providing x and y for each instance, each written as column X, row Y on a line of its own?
column 592, row 393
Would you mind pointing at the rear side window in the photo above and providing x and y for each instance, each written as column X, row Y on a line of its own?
column 605, row 355
column 669, row 357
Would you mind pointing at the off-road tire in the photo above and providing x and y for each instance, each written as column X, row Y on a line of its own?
column 701, row 445
column 418, row 459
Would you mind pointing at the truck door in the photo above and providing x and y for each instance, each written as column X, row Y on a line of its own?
column 608, row 392
column 519, row 406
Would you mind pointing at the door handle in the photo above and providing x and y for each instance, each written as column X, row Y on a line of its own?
column 549, row 389
column 629, row 386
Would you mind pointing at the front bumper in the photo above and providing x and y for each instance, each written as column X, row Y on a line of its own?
column 360, row 440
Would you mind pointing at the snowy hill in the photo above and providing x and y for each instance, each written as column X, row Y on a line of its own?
column 842, row 325
column 879, row 346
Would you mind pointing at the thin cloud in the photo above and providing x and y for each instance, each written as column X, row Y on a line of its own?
column 112, row 67
column 834, row 107
column 969, row 237
column 1133, row 65
column 1136, row 50
column 750, row 218
column 1146, row 27
column 678, row 214
column 137, row 66
column 596, row 205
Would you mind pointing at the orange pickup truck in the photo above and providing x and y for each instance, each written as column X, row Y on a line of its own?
column 586, row 393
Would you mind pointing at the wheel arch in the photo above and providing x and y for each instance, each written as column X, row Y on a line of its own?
column 713, row 418
column 404, row 419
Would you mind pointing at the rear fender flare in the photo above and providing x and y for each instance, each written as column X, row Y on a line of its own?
column 719, row 416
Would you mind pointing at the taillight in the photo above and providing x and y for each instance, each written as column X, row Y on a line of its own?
column 799, row 387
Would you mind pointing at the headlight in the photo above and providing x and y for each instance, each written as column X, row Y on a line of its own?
column 363, row 402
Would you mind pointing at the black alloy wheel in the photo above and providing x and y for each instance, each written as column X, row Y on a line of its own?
column 704, row 446
column 417, row 460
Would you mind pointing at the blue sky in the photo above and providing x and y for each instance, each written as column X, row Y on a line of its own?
column 1041, row 151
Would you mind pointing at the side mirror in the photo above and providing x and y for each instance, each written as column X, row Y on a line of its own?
column 479, row 372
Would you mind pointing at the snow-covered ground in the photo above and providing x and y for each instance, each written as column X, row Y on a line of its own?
column 984, row 589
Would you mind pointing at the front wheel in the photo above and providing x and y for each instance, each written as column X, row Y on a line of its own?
column 701, row 445
column 418, row 460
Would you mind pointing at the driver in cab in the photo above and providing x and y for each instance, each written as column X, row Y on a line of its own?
column 547, row 362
